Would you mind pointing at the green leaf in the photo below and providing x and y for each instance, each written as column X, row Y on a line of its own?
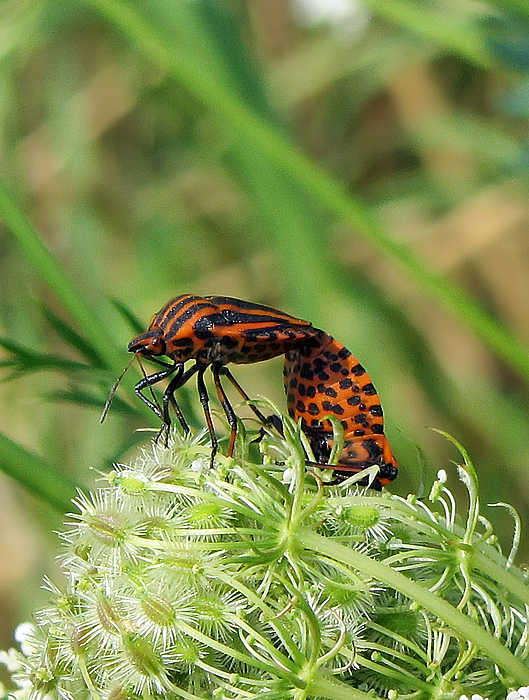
column 35, row 474
column 134, row 322
column 73, row 339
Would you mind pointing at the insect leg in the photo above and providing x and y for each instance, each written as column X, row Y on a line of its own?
column 226, row 372
column 204, row 400
column 149, row 381
column 226, row 405
column 168, row 396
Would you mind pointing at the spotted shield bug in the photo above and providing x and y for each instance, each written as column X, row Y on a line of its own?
column 322, row 378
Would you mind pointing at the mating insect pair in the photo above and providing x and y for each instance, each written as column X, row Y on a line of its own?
column 321, row 376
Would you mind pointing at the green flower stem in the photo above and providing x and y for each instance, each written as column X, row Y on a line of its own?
column 181, row 693
column 252, row 661
column 265, row 645
column 35, row 474
column 398, row 654
column 206, row 496
column 398, row 508
column 320, row 686
column 384, row 670
column 270, row 614
column 193, row 74
column 460, row 623
column 359, row 584
column 205, row 546
column 483, row 557
column 505, row 579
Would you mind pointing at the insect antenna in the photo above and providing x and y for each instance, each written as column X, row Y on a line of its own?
column 114, row 389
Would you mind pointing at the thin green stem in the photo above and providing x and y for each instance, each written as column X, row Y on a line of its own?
column 383, row 670
column 209, row 642
column 319, row 686
column 499, row 574
column 460, row 623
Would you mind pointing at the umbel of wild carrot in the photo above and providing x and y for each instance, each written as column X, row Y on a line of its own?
column 255, row 579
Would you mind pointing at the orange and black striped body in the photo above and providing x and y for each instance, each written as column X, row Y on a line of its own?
column 220, row 330
column 212, row 331
column 323, row 378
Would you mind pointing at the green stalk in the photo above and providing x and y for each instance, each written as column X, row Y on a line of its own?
column 460, row 623
column 502, row 576
column 326, row 688
column 186, row 70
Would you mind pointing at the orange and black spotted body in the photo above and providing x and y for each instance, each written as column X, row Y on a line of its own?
column 212, row 331
column 323, row 378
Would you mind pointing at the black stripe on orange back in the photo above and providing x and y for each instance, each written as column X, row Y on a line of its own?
column 237, row 304
column 173, row 305
column 187, row 314
column 232, row 317
column 178, row 306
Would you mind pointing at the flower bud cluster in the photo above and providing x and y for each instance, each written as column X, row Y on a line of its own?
column 186, row 581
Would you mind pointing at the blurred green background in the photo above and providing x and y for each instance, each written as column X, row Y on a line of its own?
column 361, row 165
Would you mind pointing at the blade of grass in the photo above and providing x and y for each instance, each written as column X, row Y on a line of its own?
column 72, row 338
column 130, row 317
column 26, row 360
column 460, row 37
column 36, row 475
column 49, row 269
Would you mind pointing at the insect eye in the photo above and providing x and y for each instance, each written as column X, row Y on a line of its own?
column 158, row 345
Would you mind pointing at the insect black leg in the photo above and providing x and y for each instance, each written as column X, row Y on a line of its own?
column 226, row 372
column 169, row 397
column 226, row 405
column 204, row 400
column 149, row 381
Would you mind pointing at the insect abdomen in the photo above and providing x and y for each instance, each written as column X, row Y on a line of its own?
column 324, row 378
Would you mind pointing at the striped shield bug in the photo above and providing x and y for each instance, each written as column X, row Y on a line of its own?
column 322, row 378
column 213, row 332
